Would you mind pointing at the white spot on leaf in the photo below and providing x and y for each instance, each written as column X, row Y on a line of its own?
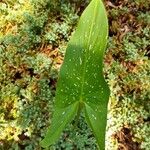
column 63, row 113
column 94, row 117
column 80, row 61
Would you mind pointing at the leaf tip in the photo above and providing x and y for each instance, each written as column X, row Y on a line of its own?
column 44, row 143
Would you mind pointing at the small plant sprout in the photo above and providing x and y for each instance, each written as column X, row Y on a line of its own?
column 81, row 85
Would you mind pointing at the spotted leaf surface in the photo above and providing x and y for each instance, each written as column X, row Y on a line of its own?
column 81, row 80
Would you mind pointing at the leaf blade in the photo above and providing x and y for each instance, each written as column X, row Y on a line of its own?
column 64, row 115
column 81, row 76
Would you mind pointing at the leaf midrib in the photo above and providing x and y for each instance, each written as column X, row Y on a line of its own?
column 86, row 54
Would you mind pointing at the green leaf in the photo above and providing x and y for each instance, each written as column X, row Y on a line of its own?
column 61, row 117
column 81, row 80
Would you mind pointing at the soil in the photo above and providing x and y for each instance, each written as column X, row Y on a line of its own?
column 125, row 140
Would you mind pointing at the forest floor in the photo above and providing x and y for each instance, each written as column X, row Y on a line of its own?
column 33, row 39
